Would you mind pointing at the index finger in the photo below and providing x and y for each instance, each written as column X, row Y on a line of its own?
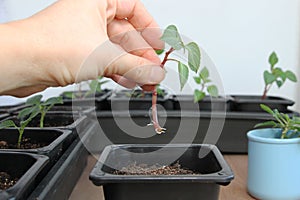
column 136, row 13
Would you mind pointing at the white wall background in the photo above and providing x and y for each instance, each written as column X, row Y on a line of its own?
column 238, row 35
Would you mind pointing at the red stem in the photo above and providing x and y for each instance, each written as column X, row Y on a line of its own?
column 155, row 122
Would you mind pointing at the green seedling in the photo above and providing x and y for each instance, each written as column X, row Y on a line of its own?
column 276, row 75
column 34, row 104
column 94, row 87
column 172, row 37
column 290, row 125
column 21, row 128
column 205, row 86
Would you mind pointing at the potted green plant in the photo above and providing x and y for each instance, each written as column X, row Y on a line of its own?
column 273, row 157
column 152, row 171
column 275, row 75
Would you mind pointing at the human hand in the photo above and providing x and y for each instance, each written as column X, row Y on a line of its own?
column 76, row 40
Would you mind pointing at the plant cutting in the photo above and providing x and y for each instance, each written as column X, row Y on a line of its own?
column 205, row 86
column 276, row 75
column 273, row 157
column 172, row 37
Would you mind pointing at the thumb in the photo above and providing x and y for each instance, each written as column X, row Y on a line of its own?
column 136, row 69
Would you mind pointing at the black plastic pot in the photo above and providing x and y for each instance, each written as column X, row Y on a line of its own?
column 99, row 100
column 229, row 129
column 53, row 138
column 186, row 102
column 251, row 103
column 122, row 100
column 203, row 159
column 27, row 168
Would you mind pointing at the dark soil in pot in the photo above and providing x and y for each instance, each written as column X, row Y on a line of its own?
column 7, row 181
column 144, row 169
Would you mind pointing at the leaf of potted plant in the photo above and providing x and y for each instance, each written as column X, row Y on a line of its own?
column 273, row 157
column 251, row 103
column 161, row 172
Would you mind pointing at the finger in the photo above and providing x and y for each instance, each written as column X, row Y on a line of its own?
column 26, row 91
column 136, row 13
column 123, row 33
column 123, row 81
column 136, row 69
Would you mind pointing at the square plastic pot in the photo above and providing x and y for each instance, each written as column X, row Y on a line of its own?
column 251, row 103
column 24, row 166
column 66, row 121
column 186, row 102
column 53, row 138
column 203, row 159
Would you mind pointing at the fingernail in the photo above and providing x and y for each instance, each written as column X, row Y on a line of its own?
column 157, row 74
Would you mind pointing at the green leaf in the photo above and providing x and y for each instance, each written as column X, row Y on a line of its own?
column 267, row 109
column 183, row 74
column 53, row 101
column 273, row 59
column 204, row 73
column 159, row 91
column 291, row 76
column 34, row 100
column 198, row 95
column 26, row 111
column 269, row 78
column 172, row 37
column 7, row 124
column 279, row 83
column 69, row 95
column 197, row 79
column 93, row 86
column 159, row 52
column 267, row 123
column 194, row 56
column 213, row 90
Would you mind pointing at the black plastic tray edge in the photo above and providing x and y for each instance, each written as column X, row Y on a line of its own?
column 60, row 176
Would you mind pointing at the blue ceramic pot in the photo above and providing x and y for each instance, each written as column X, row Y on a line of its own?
column 273, row 165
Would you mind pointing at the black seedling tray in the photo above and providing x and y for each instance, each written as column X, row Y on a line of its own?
column 63, row 176
column 99, row 100
column 53, row 137
column 24, row 166
column 186, row 102
column 203, row 159
column 121, row 100
column 73, row 122
column 251, row 103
